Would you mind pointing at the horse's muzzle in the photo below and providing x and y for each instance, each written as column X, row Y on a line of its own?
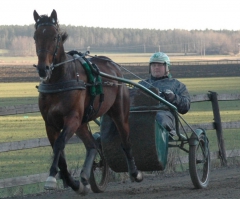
column 42, row 71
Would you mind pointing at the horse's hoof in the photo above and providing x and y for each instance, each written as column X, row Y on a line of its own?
column 83, row 190
column 137, row 178
column 51, row 183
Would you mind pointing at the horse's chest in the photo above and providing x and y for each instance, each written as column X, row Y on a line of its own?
column 53, row 108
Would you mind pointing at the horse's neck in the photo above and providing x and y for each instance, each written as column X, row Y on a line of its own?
column 64, row 72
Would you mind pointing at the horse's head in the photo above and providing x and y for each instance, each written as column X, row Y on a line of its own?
column 49, row 42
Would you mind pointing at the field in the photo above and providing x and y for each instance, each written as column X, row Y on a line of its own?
column 20, row 69
column 122, row 58
column 30, row 126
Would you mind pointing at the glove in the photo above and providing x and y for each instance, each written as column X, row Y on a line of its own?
column 169, row 95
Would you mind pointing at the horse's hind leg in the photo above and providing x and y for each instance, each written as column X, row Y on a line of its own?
column 91, row 151
column 119, row 113
column 67, row 179
column 134, row 174
column 64, row 174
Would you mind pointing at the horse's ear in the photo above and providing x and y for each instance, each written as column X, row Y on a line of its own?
column 54, row 16
column 36, row 16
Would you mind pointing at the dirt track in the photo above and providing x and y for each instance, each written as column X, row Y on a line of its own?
column 224, row 184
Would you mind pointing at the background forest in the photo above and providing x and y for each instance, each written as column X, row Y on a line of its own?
column 18, row 40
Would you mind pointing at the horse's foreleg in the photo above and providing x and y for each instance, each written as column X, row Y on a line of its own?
column 59, row 159
column 64, row 175
column 52, row 134
column 58, row 148
column 62, row 164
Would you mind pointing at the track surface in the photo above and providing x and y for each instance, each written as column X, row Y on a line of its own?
column 224, row 183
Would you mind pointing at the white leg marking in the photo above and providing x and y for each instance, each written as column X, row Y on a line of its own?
column 51, row 183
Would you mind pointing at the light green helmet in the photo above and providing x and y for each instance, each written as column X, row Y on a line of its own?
column 160, row 57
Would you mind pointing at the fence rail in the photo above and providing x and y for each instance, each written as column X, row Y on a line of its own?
column 42, row 142
column 33, row 108
column 32, row 143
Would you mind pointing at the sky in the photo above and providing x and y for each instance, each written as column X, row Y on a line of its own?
column 136, row 14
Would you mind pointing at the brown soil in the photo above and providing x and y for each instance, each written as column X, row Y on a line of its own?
column 27, row 73
column 224, row 184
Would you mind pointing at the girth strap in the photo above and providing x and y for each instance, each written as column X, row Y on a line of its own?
column 90, row 111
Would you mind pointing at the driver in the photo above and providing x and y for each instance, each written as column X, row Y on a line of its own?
column 170, row 89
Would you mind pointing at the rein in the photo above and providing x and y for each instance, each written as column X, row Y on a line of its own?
column 70, row 60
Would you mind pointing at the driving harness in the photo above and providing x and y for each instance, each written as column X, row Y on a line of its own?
column 94, row 82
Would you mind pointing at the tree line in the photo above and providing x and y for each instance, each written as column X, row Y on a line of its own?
column 18, row 40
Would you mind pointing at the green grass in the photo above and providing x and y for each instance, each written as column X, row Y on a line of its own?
column 219, row 85
column 37, row 160
column 26, row 93
column 18, row 93
column 25, row 126
column 202, row 112
column 29, row 126
column 21, row 127
column 13, row 90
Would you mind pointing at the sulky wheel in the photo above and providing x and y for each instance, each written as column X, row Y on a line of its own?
column 199, row 162
column 99, row 174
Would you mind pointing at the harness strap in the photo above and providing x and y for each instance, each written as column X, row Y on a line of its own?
column 93, row 78
column 61, row 86
column 94, row 90
column 95, row 83
column 90, row 111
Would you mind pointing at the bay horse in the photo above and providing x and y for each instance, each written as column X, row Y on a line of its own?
column 66, row 105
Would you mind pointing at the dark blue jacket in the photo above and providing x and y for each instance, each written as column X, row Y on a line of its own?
column 182, row 99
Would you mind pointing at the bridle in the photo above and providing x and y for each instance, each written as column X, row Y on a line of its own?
column 54, row 53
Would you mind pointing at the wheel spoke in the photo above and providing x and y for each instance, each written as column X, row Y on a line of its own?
column 99, row 175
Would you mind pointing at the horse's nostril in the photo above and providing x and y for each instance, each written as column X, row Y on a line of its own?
column 42, row 73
